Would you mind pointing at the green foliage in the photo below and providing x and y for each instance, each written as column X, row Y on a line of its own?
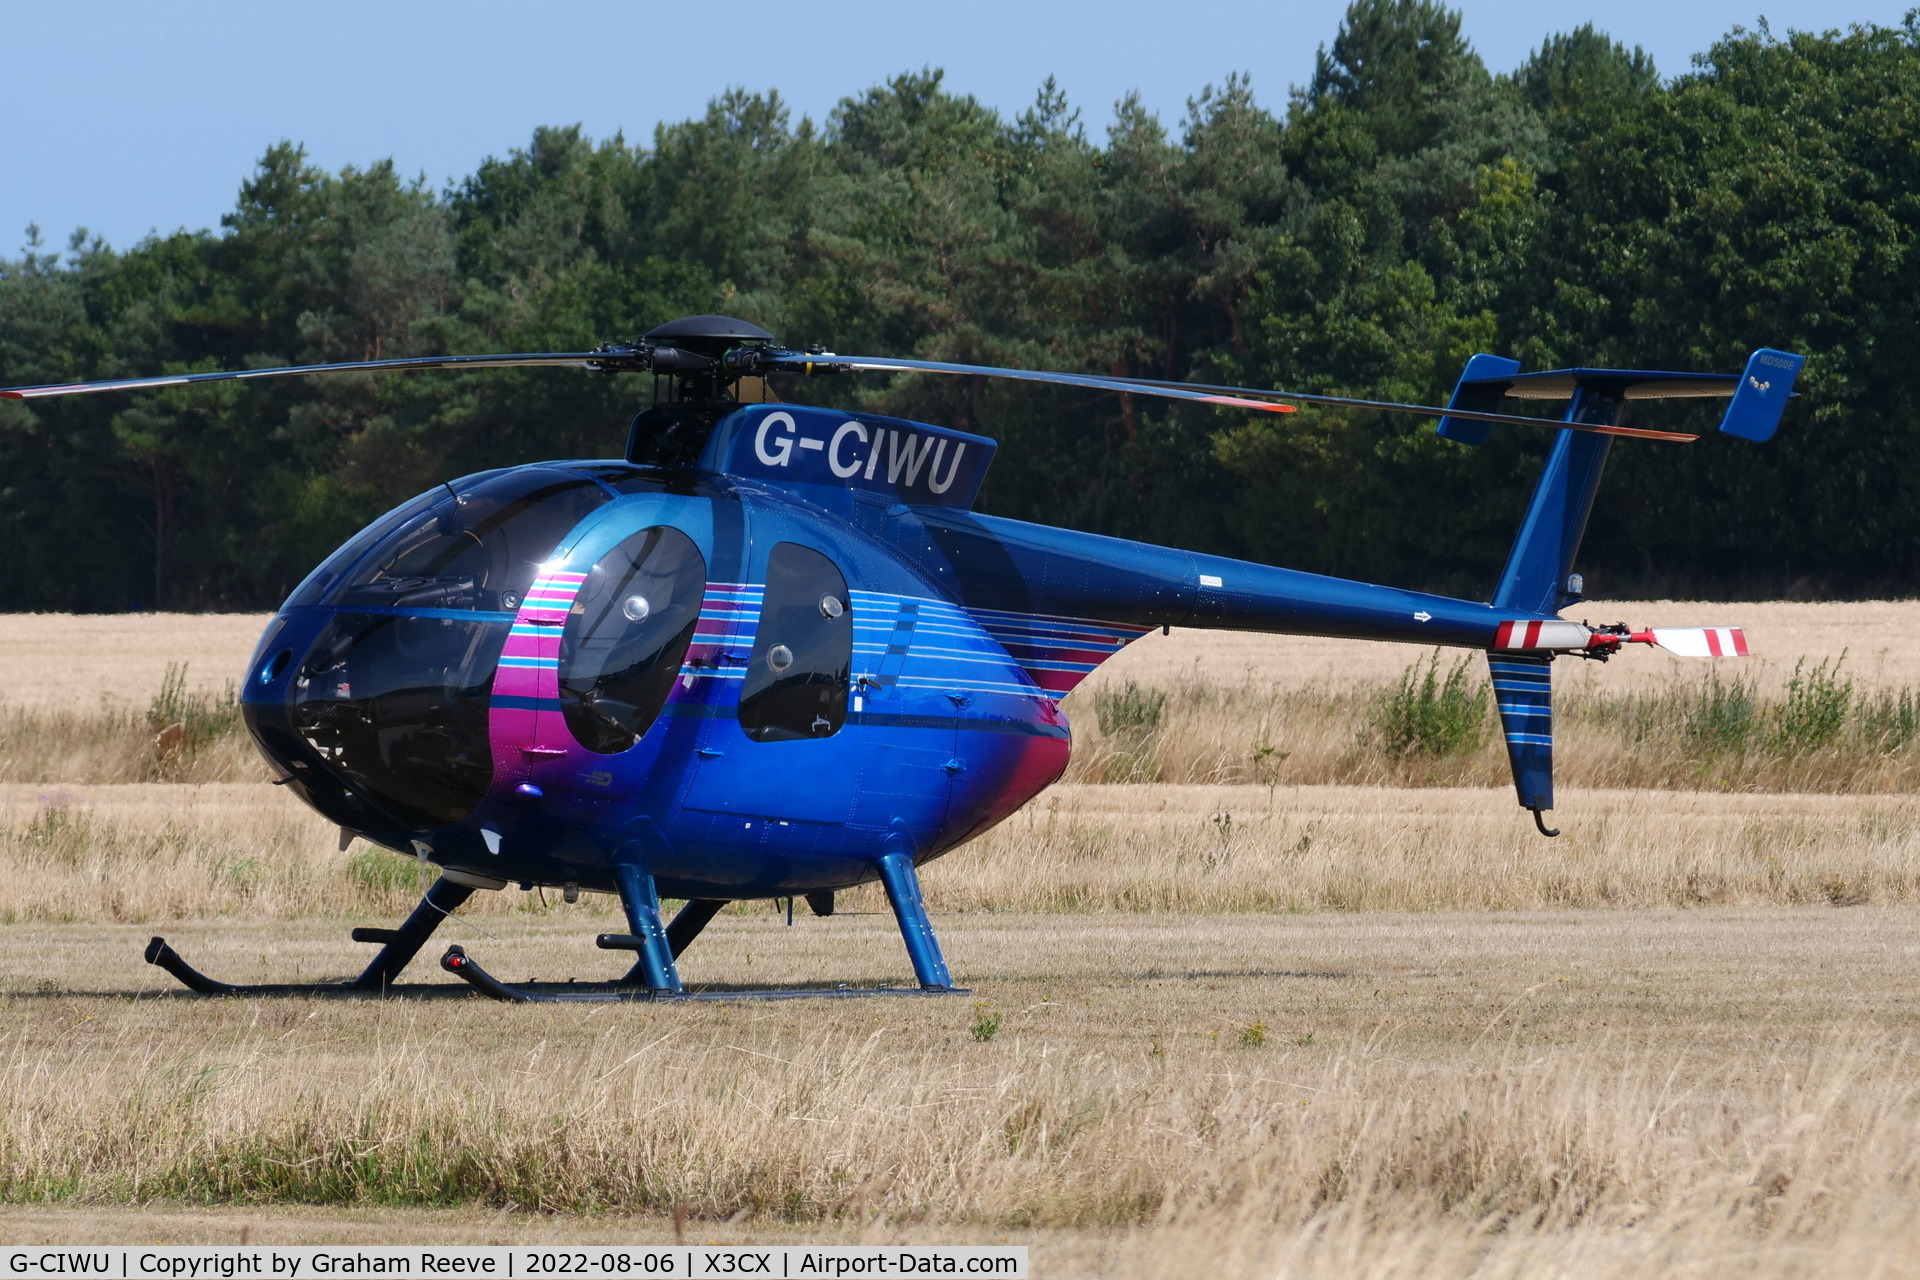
column 1729, row 718
column 1431, row 715
column 1716, row 717
column 185, row 722
column 1408, row 208
column 1253, row 1035
column 1129, row 710
column 1889, row 719
column 381, row 874
column 1816, row 707
column 986, row 1022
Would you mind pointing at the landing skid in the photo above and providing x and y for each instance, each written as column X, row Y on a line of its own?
column 397, row 948
column 478, row 982
column 654, row 976
column 164, row 956
column 461, row 965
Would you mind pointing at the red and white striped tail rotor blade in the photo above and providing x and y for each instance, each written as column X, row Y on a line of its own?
column 1699, row 642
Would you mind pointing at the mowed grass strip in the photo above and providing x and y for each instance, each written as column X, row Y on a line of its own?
column 1240, row 1091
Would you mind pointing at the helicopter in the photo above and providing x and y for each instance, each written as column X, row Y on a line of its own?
column 772, row 651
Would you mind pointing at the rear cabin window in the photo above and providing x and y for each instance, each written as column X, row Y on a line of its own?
column 627, row 636
column 802, row 663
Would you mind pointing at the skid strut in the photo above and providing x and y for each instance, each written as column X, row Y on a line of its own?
column 903, row 891
column 685, row 926
column 646, row 934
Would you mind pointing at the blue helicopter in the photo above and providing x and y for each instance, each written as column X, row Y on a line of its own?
column 774, row 652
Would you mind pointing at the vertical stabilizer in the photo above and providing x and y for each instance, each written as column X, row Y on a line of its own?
column 1535, row 580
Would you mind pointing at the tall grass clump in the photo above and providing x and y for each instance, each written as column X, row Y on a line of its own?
column 181, row 735
column 1888, row 718
column 1715, row 718
column 1431, row 715
column 1130, row 717
column 1816, row 707
column 1820, row 730
column 186, row 723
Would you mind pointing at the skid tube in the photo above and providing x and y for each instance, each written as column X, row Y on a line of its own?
column 457, row 962
column 164, row 956
column 397, row 948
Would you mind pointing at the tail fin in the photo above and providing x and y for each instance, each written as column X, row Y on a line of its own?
column 1536, row 575
column 1538, row 579
column 1523, row 688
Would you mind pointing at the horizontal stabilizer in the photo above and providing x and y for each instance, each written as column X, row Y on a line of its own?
column 1759, row 393
column 1697, row 642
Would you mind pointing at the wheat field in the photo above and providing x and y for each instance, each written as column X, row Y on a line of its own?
column 1240, row 1016
column 78, row 660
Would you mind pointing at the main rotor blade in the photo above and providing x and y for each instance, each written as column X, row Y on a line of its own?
column 615, row 358
column 1435, row 411
column 1230, row 397
column 793, row 362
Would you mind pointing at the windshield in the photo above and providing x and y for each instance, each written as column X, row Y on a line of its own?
column 396, row 708
column 392, row 695
column 471, row 546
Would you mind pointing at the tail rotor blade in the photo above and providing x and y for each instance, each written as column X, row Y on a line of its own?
column 1696, row 642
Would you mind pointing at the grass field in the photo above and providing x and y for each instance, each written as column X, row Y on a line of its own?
column 1381, row 1093
column 1243, row 1022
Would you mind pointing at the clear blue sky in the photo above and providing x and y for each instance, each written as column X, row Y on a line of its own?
column 127, row 116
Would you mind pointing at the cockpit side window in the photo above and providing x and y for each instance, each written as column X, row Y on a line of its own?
column 475, row 549
column 797, row 679
column 627, row 635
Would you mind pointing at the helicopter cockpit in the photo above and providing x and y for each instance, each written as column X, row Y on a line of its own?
column 392, row 694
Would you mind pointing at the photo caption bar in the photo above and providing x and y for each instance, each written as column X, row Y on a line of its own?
column 511, row 1262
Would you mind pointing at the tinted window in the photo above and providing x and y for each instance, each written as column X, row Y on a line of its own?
column 334, row 566
column 473, row 548
column 796, row 685
column 627, row 635
column 396, row 708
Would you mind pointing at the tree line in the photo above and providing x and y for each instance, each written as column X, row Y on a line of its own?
column 1404, row 209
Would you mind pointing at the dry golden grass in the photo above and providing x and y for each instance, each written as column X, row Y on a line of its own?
column 1239, row 707
column 1644, row 736
column 1131, row 848
column 1443, row 1094
column 1237, row 1029
column 116, row 742
column 77, row 660
column 152, row 853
